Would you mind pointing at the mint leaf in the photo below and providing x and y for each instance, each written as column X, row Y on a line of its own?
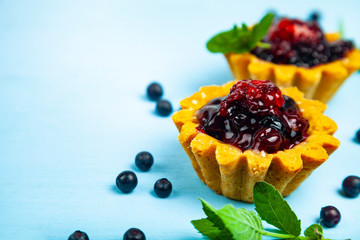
column 314, row 230
column 206, row 227
column 240, row 40
column 235, row 40
column 210, row 212
column 273, row 209
column 217, row 222
column 242, row 223
column 261, row 29
column 229, row 223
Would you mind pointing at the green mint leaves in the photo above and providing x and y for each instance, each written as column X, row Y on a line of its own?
column 234, row 224
column 229, row 223
column 273, row 209
column 243, row 39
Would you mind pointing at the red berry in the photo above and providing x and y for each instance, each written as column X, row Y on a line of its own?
column 295, row 31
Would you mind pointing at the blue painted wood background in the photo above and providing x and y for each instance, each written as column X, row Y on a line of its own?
column 73, row 114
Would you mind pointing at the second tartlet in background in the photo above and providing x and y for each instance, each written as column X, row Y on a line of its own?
column 289, row 52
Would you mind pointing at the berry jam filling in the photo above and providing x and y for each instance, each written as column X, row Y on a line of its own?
column 300, row 43
column 255, row 115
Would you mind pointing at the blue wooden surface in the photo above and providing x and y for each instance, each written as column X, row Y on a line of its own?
column 73, row 115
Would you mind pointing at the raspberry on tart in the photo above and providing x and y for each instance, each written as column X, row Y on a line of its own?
column 248, row 131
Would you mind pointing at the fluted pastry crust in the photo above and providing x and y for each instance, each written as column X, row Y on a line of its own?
column 319, row 82
column 230, row 172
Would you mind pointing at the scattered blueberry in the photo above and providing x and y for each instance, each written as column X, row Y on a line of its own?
column 126, row 181
column 144, row 161
column 315, row 16
column 134, row 234
column 330, row 216
column 154, row 91
column 78, row 235
column 163, row 188
column 163, row 107
column 358, row 135
column 351, row 186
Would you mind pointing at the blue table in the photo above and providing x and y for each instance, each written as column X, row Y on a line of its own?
column 73, row 115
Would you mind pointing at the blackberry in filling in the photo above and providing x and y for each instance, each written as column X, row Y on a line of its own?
column 255, row 115
column 300, row 43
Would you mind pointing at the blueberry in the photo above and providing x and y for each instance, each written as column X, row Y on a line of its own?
column 329, row 216
column 78, row 235
column 144, row 161
column 351, row 186
column 163, row 107
column 163, row 188
column 358, row 136
column 154, row 91
column 134, row 234
column 315, row 16
column 126, row 181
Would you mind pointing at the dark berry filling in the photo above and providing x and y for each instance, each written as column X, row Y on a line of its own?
column 255, row 115
column 300, row 43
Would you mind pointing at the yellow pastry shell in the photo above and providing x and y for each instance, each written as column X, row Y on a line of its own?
column 319, row 82
column 230, row 172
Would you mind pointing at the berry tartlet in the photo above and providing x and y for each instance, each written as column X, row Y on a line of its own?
column 248, row 131
column 289, row 52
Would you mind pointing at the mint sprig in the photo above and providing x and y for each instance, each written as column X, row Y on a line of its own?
column 235, row 224
column 243, row 39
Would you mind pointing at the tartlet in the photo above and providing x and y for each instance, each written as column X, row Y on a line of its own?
column 319, row 82
column 297, row 54
column 229, row 171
